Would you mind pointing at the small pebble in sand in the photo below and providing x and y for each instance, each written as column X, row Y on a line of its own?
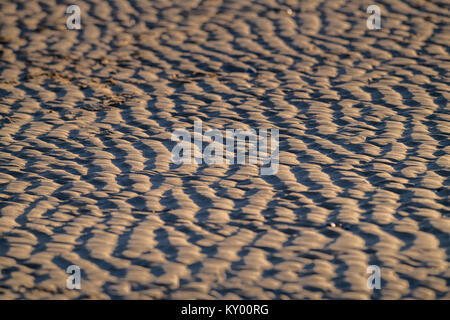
column 288, row 11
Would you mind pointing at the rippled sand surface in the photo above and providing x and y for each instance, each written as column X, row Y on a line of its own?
column 86, row 176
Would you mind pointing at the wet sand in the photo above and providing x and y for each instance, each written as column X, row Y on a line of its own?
column 87, row 179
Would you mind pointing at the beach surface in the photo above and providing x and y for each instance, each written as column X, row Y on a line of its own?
column 86, row 170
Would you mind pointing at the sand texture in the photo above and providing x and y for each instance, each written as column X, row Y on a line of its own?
column 87, row 178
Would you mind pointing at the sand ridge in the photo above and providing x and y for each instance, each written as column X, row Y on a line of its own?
column 86, row 175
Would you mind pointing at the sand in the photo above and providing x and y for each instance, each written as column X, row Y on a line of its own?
column 86, row 176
